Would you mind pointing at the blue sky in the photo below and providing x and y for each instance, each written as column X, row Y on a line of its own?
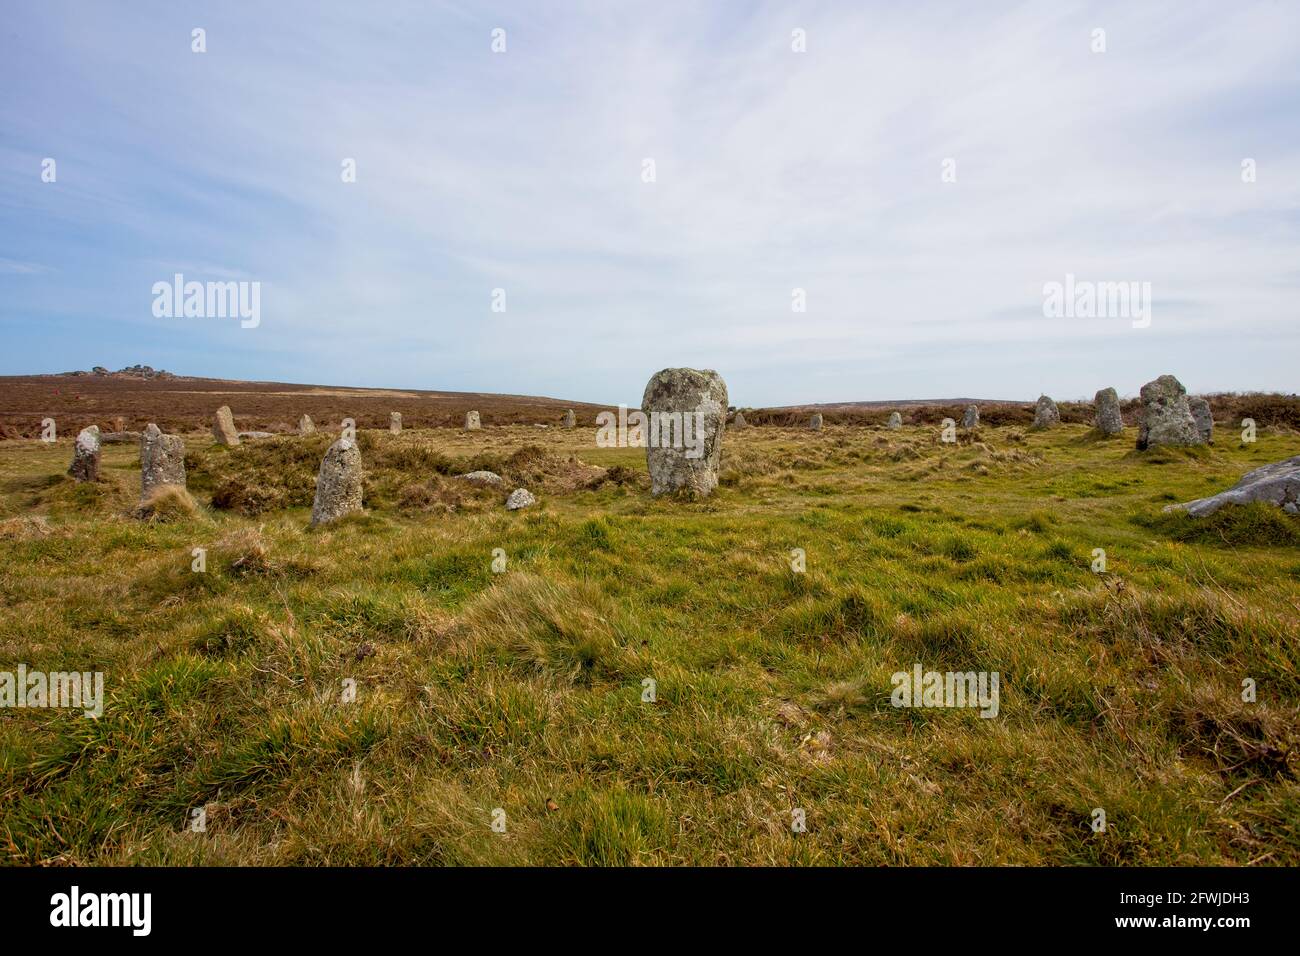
column 775, row 170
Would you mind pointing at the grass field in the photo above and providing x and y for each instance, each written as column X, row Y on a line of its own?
column 523, row 690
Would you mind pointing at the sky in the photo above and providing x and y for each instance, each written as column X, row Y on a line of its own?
column 920, row 171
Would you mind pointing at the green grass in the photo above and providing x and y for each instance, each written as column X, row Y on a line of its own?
column 523, row 690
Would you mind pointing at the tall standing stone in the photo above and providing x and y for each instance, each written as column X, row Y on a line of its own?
column 1046, row 413
column 85, row 455
column 306, row 426
column 1108, row 419
column 472, row 422
column 1204, row 419
column 687, row 413
column 338, row 483
column 119, row 424
column 815, row 423
column 395, row 422
column 570, row 419
column 739, row 420
column 223, row 428
column 971, row 418
column 1165, row 415
column 895, row 420
column 162, row 460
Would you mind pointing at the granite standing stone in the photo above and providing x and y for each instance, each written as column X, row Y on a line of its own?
column 306, row 426
column 162, row 460
column 687, row 413
column 895, row 420
column 1204, row 419
column 1046, row 413
column 815, row 423
column 338, row 484
column 85, row 455
column 1165, row 417
column 971, row 418
column 395, row 422
column 223, row 428
column 1108, row 419
column 472, row 422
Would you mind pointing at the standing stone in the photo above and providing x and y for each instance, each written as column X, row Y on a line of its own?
column 1108, row 419
column 687, row 413
column 338, row 484
column 1204, row 419
column 570, row 419
column 739, row 421
column 223, row 429
column 1046, row 413
column 1165, row 417
column 895, row 420
column 162, row 460
column 306, row 426
column 971, row 419
column 472, row 422
column 395, row 422
column 119, row 424
column 815, row 423
column 85, row 455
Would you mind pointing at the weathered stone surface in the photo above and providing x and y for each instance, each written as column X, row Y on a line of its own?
column 815, row 423
column 395, row 423
column 306, row 426
column 570, row 419
column 1204, row 419
column 223, row 428
column 895, row 420
column 85, row 455
column 119, row 424
column 1275, row 484
column 1108, row 419
column 243, row 435
column 1046, row 413
column 338, row 483
column 472, row 422
column 483, row 479
column 687, row 413
column 971, row 418
column 1165, row 417
column 520, row 498
column 162, row 460
column 739, row 421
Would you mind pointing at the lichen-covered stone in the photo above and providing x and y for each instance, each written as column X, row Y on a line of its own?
column 1275, row 484
column 85, row 455
column 815, row 423
column 1108, row 419
column 338, row 483
column 472, row 422
column 306, row 426
column 895, row 420
column 520, row 498
column 1046, row 413
column 1204, row 419
column 570, row 419
column 395, row 423
column 1165, row 415
column 971, row 417
column 687, row 413
column 162, row 460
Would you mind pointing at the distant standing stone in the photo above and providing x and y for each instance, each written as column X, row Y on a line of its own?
column 1046, row 413
column 223, row 429
column 119, row 424
column 520, row 498
column 85, row 455
column 971, row 418
column 1204, row 419
column 570, row 419
column 338, row 484
column 895, row 420
column 306, row 426
column 815, row 423
column 162, row 460
column 395, row 422
column 687, row 412
column 1165, row 415
column 472, row 422
column 1108, row 419
column 483, row 478
column 739, row 421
